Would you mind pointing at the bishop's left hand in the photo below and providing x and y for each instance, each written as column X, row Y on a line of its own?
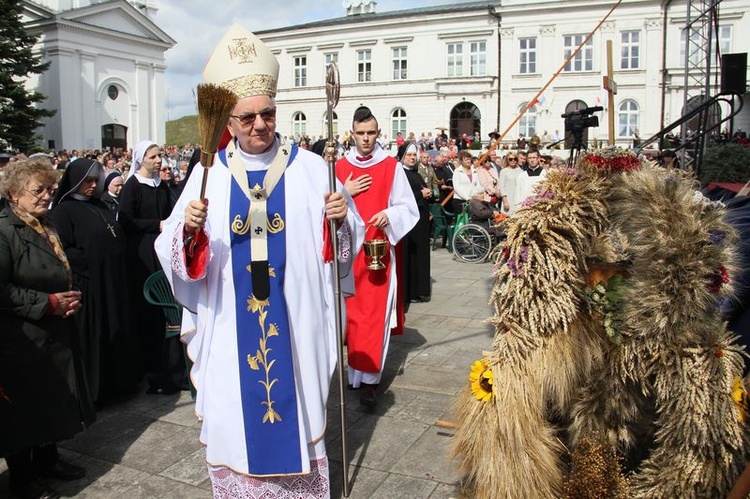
column 336, row 206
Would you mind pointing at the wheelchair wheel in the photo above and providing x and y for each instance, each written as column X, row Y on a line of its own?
column 472, row 243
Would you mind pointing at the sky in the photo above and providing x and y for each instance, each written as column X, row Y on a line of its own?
column 197, row 29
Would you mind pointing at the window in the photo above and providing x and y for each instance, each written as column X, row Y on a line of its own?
column 335, row 124
column 399, row 63
column 398, row 122
column 478, row 58
column 527, row 123
column 695, row 48
column 299, row 124
column 113, row 92
column 630, row 49
column 332, row 57
column 627, row 119
column 584, row 59
column 364, row 65
column 527, row 51
column 725, row 39
column 455, row 59
column 300, row 71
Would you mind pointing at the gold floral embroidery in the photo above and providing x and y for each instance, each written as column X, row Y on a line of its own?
column 255, row 84
column 261, row 357
column 276, row 225
column 240, row 226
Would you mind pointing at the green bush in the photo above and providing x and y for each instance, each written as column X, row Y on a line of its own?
column 725, row 163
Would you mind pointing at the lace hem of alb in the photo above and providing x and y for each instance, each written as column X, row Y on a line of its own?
column 227, row 484
column 345, row 242
column 179, row 265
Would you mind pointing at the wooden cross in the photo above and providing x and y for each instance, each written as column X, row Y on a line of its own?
column 611, row 87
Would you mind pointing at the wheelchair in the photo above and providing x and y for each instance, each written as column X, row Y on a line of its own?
column 473, row 240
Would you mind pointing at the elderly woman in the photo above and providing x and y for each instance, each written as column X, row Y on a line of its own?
column 95, row 246
column 145, row 202
column 465, row 182
column 113, row 182
column 488, row 180
column 43, row 395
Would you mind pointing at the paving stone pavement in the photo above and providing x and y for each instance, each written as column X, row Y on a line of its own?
column 148, row 447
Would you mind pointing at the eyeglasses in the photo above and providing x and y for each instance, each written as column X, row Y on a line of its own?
column 512, row 159
column 165, row 170
column 39, row 191
column 248, row 119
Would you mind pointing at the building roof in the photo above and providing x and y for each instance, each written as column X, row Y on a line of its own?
column 380, row 16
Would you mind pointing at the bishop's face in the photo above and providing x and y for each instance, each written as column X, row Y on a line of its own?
column 253, row 123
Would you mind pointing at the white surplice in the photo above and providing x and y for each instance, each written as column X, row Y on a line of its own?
column 403, row 215
column 308, row 290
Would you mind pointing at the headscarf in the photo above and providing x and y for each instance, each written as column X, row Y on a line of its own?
column 139, row 152
column 406, row 148
column 111, row 175
column 75, row 174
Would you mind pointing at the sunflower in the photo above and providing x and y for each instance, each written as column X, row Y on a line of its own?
column 481, row 381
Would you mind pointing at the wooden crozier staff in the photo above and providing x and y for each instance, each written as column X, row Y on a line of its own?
column 333, row 89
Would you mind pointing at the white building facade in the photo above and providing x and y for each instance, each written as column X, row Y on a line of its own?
column 476, row 66
column 106, row 78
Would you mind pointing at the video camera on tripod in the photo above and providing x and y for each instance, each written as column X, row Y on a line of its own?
column 576, row 122
column 579, row 120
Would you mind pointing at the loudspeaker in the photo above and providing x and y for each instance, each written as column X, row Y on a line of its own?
column 734, row 73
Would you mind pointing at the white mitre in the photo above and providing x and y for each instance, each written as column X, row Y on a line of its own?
column 242, row 63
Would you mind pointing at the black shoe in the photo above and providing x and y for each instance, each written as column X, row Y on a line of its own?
column 33, row 490
column 367, row 398
column 161, row 384
column 63, row 471
column 351, row 387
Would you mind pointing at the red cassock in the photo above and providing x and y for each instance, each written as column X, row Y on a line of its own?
column 367, row 311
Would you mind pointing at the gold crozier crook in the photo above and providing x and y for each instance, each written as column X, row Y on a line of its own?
column 333, row 89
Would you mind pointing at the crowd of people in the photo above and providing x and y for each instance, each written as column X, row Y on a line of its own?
column 82, row 231
column 76, row 247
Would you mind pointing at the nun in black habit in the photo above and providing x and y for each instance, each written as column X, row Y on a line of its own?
column 145, row 202
column 96, row 248
column 416, row 244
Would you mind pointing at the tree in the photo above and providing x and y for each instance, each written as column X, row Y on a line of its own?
column 725, row 163
column 19, row 114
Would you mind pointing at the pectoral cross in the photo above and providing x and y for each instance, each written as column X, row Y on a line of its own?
column 111, row 229
column 611, row 87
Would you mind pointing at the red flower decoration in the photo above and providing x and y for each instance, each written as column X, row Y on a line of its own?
column 614, row 162
column 720, row 277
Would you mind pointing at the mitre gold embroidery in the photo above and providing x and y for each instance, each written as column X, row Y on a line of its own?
column 242, row 50
column 247, row 86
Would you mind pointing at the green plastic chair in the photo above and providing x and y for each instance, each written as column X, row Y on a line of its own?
column 439, row 224
column 157, row 292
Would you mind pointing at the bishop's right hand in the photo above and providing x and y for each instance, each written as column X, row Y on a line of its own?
column 195, row 215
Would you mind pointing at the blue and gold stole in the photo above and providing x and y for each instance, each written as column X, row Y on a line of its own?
column 268, row 393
